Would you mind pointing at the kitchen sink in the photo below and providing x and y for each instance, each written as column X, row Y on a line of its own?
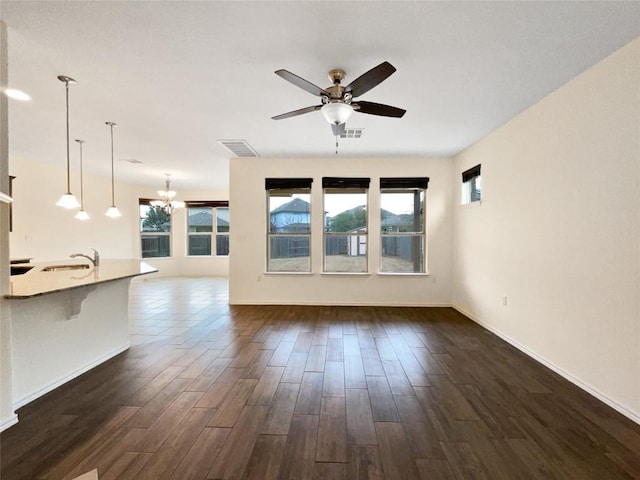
column 20, row 269
column 56, row 268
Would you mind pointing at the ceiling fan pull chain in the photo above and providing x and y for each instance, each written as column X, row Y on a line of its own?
column 336, row 144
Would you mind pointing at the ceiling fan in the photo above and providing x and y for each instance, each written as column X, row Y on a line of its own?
column 338, row 102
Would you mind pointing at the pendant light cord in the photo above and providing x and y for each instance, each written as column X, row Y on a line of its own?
column 68, row 161
column 113, row 195
column 81, row 182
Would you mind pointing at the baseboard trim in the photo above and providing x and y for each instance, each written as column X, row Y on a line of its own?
column 52, row 386
column 12, row 420
column 341, row 304
column 550, row 365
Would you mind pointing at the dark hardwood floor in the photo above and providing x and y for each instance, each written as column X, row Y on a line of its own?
column 209, row 391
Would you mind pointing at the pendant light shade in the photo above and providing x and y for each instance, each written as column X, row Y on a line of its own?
column 82, row 214
column 68, row 200
column 112, row 211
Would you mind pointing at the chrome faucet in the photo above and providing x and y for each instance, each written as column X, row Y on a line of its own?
column 95, row 260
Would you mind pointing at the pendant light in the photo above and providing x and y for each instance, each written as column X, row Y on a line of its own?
column 112, row 211
column 167, row 204
column 68, row 200
column 82, row 214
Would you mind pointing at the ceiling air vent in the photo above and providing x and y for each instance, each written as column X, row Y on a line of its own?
column 352, row 133
column 239, row 148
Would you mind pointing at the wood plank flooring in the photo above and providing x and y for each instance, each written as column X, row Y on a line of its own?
column 209, row 391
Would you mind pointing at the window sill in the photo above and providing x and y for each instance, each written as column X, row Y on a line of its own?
column 287, row 273
column 347, row 274
column 403, row 274
column 471, row 204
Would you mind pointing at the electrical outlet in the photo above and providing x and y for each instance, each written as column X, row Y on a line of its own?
column 504, row 301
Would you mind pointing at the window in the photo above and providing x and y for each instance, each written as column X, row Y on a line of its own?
column 345, row 224
column 471, row 185
column 289, row 224
column 202, row 218
column 155, row 231
column 402, row 224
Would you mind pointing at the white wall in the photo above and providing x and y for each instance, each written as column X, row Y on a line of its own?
column 49, row 233
column 558, row 231
column 7, row 416
column 248, row 283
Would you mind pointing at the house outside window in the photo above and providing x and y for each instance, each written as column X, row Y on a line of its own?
column 471, row 185
column 155, row 231
column 289, row 224
column 402, row 224
column 345, row 225
column 207, row 225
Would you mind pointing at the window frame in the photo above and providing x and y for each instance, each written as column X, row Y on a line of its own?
column 214, row 205
column 406, row 185
column 287, row 186
column 345, row 185
column 144, row 202
column 471, row 192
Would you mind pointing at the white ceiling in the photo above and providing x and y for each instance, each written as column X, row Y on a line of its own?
column 178, row 76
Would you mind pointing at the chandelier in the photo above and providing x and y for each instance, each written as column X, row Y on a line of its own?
column 166, row 204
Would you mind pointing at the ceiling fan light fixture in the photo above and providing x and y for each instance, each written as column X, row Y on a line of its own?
column 336, row 113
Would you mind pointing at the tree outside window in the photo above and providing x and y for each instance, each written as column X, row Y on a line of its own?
column 155, row 232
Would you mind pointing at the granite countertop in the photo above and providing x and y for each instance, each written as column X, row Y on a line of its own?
column 37, row 282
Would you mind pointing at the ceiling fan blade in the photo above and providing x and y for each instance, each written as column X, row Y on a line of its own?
column 302, row 83
column 338, row 129
column 378, row 109
column 297, row 112
column 370, row 79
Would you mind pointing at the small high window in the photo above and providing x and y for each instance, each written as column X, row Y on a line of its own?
column 289, row 224
column 345, row 224
column 471, row 185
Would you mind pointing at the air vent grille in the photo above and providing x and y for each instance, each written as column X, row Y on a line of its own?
column 239, row 148
column 352, row 133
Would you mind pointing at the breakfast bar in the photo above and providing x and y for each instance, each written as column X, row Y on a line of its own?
column 66, row 318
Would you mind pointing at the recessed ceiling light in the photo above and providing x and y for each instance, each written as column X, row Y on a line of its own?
column 17, row 94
